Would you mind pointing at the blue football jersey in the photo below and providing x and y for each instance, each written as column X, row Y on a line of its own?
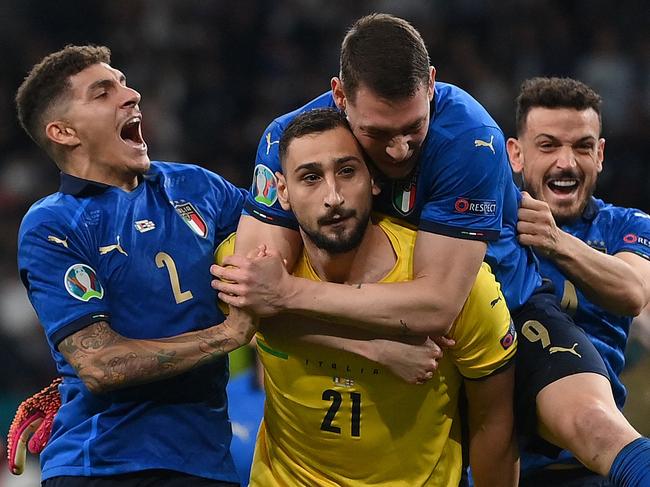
column 609, row 229
column 462, row 186
column 139, row 260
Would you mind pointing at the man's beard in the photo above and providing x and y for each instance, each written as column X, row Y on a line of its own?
column 339, row 244
column 563, row 215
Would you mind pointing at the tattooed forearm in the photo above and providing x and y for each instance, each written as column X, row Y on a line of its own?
column 105, row 360
column 405, row 330
column 133, row 368
column 96, row 336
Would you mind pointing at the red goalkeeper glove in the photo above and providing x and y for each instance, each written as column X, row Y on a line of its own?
column 34, row 417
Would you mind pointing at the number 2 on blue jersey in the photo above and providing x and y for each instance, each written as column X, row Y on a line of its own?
column 165, row 260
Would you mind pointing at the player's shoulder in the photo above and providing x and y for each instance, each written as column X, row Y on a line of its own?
column 396, row 229
column 187, row 175
column 607, row 216
column 457, row 112
column 485, row 297
column 325, row 100
column 55, row 209
column 612, row 211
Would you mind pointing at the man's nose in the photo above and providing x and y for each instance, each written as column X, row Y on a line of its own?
column 398, row 148
column 565, row 158
column 333, row 197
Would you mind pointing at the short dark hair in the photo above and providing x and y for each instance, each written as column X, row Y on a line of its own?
column 313, row 121
column 554, row 93
column 49, row 81
column 386, row 54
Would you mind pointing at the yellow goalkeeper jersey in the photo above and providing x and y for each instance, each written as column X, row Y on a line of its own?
column 332, row 418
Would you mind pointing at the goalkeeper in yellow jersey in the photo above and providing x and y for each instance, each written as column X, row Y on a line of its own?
column 332, row 416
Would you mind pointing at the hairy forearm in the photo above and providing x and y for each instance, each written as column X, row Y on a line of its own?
column 404, row 308
column 444, row 270
column 105, row 360
column 606, row 280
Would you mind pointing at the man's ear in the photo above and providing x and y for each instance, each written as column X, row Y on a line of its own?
column 338, row 93
column 432, row 82
column 60, row 133
column 514, row 154
column 375, row 187
column 600, row 156
column 283, row 193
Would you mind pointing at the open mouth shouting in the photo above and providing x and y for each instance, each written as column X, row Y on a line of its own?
column 563, row 186
column 131, row 133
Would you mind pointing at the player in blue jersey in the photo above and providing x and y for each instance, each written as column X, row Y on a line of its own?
column 445, row 169
column 597, row 254
column 116, row 266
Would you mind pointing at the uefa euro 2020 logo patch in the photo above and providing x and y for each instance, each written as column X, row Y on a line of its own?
column 265, row 185
column 81, row 283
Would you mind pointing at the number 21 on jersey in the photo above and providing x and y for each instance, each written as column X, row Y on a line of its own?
column 337, row 399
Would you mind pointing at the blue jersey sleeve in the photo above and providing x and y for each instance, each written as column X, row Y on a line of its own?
column 62, row 283
column 632, row 234
column 467, row 185
column 262, row 199
column 228, row 200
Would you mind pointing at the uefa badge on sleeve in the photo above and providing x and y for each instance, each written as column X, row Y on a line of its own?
column 81, row 283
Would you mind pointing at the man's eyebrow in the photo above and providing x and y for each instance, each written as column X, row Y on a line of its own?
column 308, row 166
column 316, row 166
column 342, row 160
column 102, row 83
column 586, row 138
column 105, row 83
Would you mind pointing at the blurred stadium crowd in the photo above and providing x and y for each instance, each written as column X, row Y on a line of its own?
column 213, row 73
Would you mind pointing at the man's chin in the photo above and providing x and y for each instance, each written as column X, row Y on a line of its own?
column 563, row 214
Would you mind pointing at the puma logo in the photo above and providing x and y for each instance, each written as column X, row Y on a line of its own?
column 494, row 302
column 563, row 349
column 482, row 143
column 52, row 238
column 109, row 248
column 269, row 143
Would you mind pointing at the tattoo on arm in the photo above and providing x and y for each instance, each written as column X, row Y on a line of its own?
column 105, row 360
column 404, row 327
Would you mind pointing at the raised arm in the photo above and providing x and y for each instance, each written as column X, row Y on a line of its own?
column 444, row 268
column 619, row 283
column 105, row 360
column 251, row 233
column 493, row 453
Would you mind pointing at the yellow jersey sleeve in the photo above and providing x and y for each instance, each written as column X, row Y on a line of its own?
column 485, row 335
column 225, row 248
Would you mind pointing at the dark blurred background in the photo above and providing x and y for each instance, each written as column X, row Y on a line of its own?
column 213, row 74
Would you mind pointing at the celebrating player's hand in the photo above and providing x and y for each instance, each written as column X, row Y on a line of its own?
column 536, row 226
column 258, row 282
column 415, row 363
column 34, row 417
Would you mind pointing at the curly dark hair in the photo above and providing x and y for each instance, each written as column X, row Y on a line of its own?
column 49, row 82
column 554, row 93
